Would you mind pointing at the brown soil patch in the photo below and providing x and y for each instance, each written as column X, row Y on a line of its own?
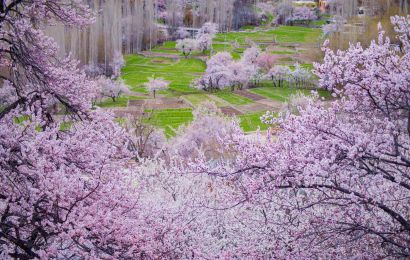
column 126, row 113
column 230, row 111
column 249, row 95
column 165, row 103
column 254, row 107
column 272, row 104
column 136, row 103
column 158, row 61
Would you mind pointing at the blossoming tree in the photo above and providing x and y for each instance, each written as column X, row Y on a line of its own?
column 279, row 74
column 302, row 15
column 205, row 36
column 156, row 84
column 63, row 194
column 217, row 74
column 187, row 46
column 111, row 88
column 336, row 179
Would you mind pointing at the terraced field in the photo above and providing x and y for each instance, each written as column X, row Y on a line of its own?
column 180, row 73
column 121, row 101
column 248, row 105
column 169, row 119
column 282, row 94
column 252, row 122
column 283, row 34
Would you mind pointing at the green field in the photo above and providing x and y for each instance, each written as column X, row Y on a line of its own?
column 251, row 122
column 232, row 98
column 282, row 94
column 169, row 119
column 223, row 41
column 166, row 47
column 179, row 73
column 121, row 101
column 196, row 99
column 283, row 34
column 283, row 52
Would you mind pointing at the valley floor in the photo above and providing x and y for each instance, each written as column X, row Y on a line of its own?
column 173, row 107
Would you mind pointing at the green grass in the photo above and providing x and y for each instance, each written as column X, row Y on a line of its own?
column 196, row 99
column 308, row 66
column 283, row 52
column 283, row 34
column 169, row 44
column 167, row 51
column 122, row 101
column 251, row 122
column 179, row 73
column 232, row 98
column 236, row 55
column 248, row 27
column 282, row 94
column 139, row 89
column 219, row 47
column 170, row 119
column 166, row 47
column 319, row 23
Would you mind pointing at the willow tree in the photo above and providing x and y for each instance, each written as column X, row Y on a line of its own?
column 124, row 26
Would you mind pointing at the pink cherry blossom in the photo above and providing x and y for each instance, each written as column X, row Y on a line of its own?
column 217, row 75
column 302, row 14
column 156, row 84
column 266, row 61
column 111, row 88
column 279, row 74
column 334, row 183
column 187, row 46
